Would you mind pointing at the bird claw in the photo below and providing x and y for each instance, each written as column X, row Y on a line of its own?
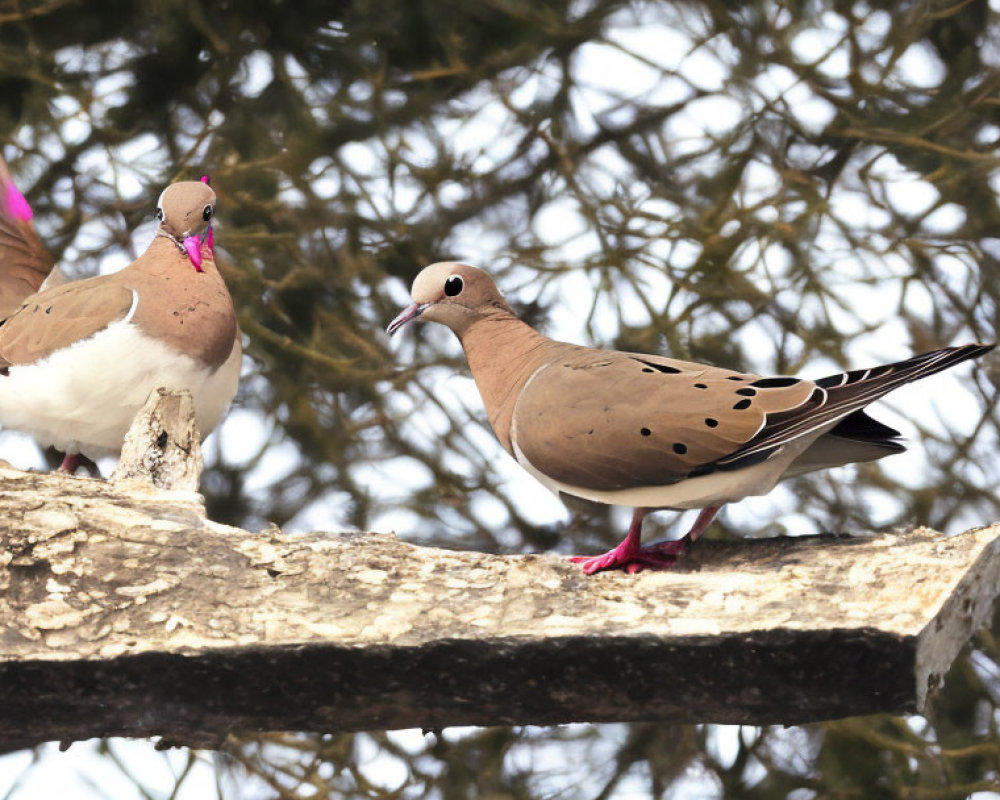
column 662, row 555
column 592, row 564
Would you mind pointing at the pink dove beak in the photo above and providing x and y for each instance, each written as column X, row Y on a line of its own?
column 192, row 245
column 407, row 314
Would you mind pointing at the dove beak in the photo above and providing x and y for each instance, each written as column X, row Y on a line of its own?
column 192, row 245
column 409, row 313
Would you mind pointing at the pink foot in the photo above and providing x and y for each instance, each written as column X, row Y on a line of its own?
column 619, row 557
column 662, row 555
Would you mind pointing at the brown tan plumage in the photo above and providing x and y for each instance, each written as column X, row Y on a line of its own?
column 653, row 432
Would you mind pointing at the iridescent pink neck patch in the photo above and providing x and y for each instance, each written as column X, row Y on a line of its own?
column 192, row 245
column 16, row 204
column 205, row 179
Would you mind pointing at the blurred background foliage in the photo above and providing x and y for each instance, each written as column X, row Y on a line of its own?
column 788, row 187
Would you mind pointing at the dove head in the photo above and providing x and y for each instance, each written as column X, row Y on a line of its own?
column 185, row 211
column 453, row 294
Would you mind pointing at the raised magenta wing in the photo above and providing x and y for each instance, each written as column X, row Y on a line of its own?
column 24, row 260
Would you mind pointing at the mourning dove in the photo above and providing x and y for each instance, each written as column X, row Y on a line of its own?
column 77, row 361
column 651, row 432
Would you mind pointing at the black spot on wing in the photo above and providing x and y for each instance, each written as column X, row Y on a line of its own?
column 651, row 365
column 775, row 383
column 741, row 405
column 780, row 427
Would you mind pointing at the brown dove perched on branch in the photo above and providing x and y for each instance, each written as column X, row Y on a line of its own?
column 652, row 432
column 78, row 360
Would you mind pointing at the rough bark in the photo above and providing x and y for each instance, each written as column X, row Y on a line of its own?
column 124, row 611
column 163, row 447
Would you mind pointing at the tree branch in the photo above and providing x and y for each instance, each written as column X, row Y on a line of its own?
column 124, row 611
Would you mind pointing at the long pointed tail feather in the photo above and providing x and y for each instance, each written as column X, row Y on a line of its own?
column 838, row 396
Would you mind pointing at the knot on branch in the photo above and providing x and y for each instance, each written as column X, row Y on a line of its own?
column 163, row 446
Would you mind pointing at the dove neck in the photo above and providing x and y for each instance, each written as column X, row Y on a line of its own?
column 189, row 310
column 503, row 353
column 166, row 252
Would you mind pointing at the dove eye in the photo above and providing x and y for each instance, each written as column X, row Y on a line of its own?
column 453, row 286
column 159, row 214
column 207, row 213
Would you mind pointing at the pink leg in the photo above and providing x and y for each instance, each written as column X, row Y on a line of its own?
column 620, row 556
column 675, row 547
column 70, row 462
column 633, row 558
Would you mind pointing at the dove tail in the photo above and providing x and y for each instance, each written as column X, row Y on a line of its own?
column 838, row 396
column 879, row 380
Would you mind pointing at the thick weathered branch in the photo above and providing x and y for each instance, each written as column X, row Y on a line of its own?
column 124, row 611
